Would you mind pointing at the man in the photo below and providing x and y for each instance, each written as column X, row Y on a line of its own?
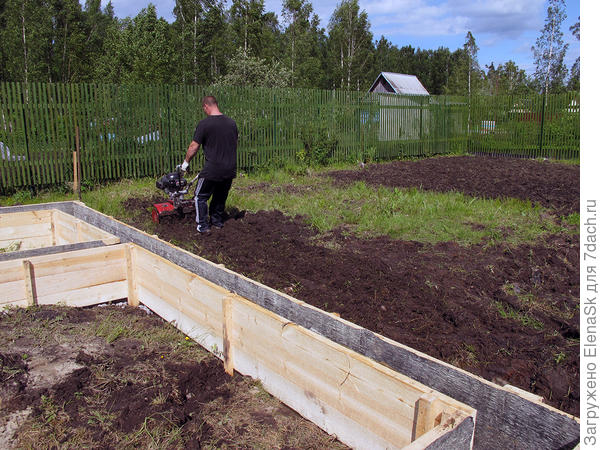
column 218, row 136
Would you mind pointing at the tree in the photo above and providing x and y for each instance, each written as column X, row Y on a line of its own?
column 573, row 84
column 97, row 25
column 200, row 31
column 23, row 38
column 471, row 50
column 506, row 79
column 252, row 29
column 549, row 50
column 246, row 70
column 66, row 50
column 139, row 50
column 350, row 45
column 188, row 20
column 296, row 13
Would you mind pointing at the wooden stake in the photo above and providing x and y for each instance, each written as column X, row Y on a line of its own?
column 132, row 295
column 29, row 278
column 227, row 334
column 75, row 171
column 77, row 165
column 428, row 409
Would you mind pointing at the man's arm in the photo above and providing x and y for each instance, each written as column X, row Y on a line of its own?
column 191, row 151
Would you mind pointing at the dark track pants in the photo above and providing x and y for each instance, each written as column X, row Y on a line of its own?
column 219, row 190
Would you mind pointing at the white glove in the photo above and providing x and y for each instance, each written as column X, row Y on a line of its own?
column 184, row 165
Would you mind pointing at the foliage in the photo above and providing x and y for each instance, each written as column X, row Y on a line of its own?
column 63, row 41
column 350, row 46
column 251, row 71
column 549, row 50
column 319, row 143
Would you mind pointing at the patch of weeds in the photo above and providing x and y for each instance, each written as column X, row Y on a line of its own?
column 431, row 285
column 111, row 331
column 12, row 247
column 508, row 312
column 102, row 418
column 159, row 432
column 572, row 219
column 559, row 357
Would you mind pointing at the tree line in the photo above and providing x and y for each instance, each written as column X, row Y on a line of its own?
column 244, row 45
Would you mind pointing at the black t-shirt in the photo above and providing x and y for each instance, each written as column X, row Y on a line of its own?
column 218, row 136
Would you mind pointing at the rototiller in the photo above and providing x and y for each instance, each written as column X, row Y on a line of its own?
column 176, row 187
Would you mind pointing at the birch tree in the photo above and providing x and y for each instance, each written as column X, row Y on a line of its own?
column 549, row 50
column 351, row 45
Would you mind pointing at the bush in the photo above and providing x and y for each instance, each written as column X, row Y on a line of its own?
column 319, row 144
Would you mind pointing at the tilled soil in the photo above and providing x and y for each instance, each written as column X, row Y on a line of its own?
column 507, row 313
column 119, row 377
column 551, row 185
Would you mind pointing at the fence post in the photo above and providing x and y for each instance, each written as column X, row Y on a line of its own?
column 542, row 126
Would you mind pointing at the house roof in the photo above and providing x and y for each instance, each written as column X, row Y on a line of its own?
column 402, row 83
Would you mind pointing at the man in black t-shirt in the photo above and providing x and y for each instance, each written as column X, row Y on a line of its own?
column 218, row 136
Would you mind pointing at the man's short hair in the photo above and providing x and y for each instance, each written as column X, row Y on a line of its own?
column 210, row 100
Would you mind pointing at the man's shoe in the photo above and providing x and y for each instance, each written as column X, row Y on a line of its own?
column 203, row 229
column 216, row 223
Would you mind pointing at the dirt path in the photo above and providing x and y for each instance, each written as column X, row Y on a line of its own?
column 509, row 314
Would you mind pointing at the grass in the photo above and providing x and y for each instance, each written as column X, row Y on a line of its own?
column 407, row 214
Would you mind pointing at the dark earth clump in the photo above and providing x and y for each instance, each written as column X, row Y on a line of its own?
column 504, row 312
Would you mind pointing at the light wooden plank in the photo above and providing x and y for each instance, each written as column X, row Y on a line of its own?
column 428, row 409
column 26, row 231
column 331, row 373
column 132, row 297
column 199, row 303
column 227, row 333
column 73, row 230
column 28, row 243
column 79, row 279
column 80, row 260
column 13, row 291
column 194, row 330
column 29, row 279
column 441, row 435
column 32, row 217
column 91, row 295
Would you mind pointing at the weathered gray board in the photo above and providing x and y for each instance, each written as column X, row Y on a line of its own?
column 50, row 250
column 504, row 419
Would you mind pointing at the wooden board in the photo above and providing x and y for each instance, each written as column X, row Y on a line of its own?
column 69, row 229
column 504, row 419
column 77, row 278
column 27, row 229
column 24, row 254
column 333, row 379
column 365, row 404
column 47, row 228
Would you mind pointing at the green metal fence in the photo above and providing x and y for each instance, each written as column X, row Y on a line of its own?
column 534, row 126
column 140, row 130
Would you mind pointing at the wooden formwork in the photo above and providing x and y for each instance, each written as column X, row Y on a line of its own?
column 368, row 390
column 36, row 232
